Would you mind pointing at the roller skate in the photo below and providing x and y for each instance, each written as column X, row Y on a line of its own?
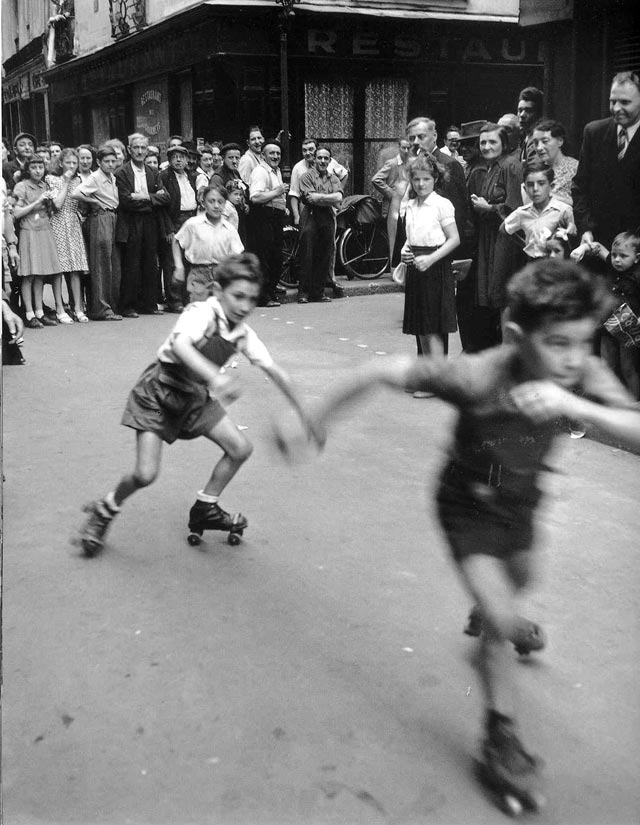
column 92, row 533
column 205, row 516
column 529, row 636
column 508, row 772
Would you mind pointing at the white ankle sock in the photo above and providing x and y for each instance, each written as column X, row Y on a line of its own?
column 202, row 496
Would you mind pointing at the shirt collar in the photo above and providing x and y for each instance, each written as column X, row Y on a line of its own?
column 631, row 130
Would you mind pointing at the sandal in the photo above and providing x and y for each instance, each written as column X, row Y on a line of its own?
column 80, row 317
column 63, row 318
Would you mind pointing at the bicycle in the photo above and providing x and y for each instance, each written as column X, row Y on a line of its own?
column 363, row 243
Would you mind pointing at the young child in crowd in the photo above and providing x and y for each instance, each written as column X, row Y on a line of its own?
column 237, row 198
column 620, row 340
column 205, row 239
column 508, row 399
column 38, row 253
column 67, row 229
column 181, row 395
column 544, row 218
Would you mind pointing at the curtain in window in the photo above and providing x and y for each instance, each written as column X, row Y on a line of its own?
column 386, row 107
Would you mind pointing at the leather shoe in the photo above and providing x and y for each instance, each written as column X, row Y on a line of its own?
column 177, row 308
column 302, row 299
column 47, row 321
column 130, row 314
column 112, row 316
column 338, row 291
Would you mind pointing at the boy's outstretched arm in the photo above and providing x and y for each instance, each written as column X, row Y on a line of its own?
column 544, row 401
column 392, row 372
column 284, row 384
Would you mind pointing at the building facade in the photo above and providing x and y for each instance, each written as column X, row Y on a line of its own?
column 357, row 69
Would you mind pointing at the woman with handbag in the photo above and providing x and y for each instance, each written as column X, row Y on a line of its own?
column 432, row 235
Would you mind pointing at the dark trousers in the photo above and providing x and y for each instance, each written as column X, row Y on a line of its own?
column 140, row 264
column 104, row 263
column 267, row 224
column 174, row 294
column 317, row 250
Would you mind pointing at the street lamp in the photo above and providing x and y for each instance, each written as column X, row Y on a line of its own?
column 286, row 15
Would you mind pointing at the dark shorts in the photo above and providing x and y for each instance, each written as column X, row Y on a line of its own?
column 481, row 519
column 166, row 404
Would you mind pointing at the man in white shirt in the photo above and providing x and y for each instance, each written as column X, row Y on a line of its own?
column 253, row 155
column 268, row 196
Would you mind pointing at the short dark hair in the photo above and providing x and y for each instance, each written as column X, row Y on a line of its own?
column 532, row 95
column 105, row 151
column 538, row 166
column 325, row 148
column 212, row 187
column 556, row 128
column 175, row 137
column 255, row 129
column 552, row 289
column 502, row 131
column 229, row 147
column 242, row 267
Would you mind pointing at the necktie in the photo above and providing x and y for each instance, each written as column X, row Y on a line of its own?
column 623, row 142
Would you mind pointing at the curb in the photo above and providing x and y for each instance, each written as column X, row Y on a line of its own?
column 357, row 287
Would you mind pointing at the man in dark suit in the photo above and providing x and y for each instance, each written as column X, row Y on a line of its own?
column 180, row 186
column 140, row 196
column 606, row 186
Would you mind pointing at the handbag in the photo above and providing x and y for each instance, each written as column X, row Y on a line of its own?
column 399, row 274
column 624, row 325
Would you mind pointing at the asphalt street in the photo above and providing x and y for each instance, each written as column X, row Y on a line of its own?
column 318, row 673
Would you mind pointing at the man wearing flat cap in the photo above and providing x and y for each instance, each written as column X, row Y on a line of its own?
column 180, row 185
column 24, row 145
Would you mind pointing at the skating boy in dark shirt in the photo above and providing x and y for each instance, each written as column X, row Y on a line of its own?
column 509, row 400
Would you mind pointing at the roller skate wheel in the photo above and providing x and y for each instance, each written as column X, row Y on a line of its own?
column 512, row 805
column 193, row 539
column 234, row 539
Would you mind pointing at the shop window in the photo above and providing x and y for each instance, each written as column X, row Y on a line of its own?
column 127, row 17
column 386, row 106
column 329, row 119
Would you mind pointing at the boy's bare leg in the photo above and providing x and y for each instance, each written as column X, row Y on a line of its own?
column 148, row 454
column 493, row 590
column 237, row 449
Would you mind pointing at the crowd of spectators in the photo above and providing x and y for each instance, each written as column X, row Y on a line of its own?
column 103, row 226
column 523, row 197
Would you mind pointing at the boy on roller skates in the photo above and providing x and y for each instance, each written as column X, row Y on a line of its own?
column 510, row 399
column 181, row 395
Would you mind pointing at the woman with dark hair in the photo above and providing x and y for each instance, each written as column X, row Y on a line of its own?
column 432, row 235
column 548, row 138
column 496, row 257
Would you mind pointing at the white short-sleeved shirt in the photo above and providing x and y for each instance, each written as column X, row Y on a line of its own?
column 203, row 319
column 264, row 179
column 204, row 242
column 538, row 227
column 426, row 221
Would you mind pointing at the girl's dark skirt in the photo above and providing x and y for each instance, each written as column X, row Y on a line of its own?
column 429, row 297
column 164, row 402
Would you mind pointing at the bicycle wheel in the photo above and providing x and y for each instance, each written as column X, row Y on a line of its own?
column 364, row 251
column 289, row 275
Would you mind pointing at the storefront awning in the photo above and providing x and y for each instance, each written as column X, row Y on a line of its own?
column 487, row 11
